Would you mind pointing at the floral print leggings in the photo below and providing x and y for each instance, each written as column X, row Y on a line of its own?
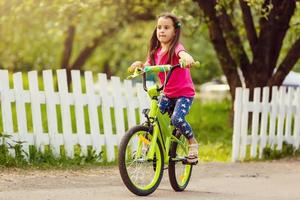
column 181, row 106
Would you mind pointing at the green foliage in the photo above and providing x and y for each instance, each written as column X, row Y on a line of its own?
column 46, row 159
column 33, row 33
column 287, row 151
column 213, row 131
column 260, row 6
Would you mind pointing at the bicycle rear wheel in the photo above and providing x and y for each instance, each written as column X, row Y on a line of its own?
column 179, row 172
column 140, row 175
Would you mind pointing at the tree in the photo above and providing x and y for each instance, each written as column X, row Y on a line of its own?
column 115, row 18
column 265, row 40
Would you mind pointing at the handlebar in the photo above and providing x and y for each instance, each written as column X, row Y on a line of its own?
column 158, row 68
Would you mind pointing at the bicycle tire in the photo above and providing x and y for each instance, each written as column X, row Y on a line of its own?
column 157, row 163
column 178, row 182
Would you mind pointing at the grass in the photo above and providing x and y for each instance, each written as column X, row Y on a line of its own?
column 211, row 126
column 209, row 122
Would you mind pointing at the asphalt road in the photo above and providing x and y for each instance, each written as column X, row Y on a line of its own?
column 278, row 180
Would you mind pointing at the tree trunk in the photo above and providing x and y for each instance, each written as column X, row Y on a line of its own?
column 67, row 53
column 228, row 64
column 265, row 47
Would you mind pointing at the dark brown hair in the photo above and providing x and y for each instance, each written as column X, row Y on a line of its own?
column 155, row 44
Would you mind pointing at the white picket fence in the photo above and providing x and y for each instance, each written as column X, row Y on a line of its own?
column 112, row 93
column 273, row 121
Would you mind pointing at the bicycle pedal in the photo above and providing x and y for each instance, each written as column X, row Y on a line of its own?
column 186, row 162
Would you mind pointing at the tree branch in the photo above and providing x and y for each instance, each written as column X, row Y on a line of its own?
column 286, row 65
column 68, row 47
column 249, row 24
column 88, row 50
column 273, row 31
column 234, row 43
column 228, row 64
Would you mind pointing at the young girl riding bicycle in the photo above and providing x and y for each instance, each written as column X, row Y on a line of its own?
column 179, row 92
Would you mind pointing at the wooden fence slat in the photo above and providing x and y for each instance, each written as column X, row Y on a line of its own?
column 36, row 110
column 93, row 112
column 118, row 107
column 142, row 96
column 79, row 114
column 107, row 124
column 65, row 112
column 51, row 113
column 296, row 133
column 288, row 115
column 244, row 129
column 130, row 103
column 273, row 117
column 281, row 115
column 255, row 122
column 6, row 109
column 21, row 113
column 264, row 120
column 237, row 124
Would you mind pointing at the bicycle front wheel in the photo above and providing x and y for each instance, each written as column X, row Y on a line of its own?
column 140, row 175
column 179, row 172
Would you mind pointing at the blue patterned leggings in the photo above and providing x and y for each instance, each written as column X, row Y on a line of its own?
column 181, row 107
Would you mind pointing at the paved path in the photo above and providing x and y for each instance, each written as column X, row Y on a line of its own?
column 278, row 180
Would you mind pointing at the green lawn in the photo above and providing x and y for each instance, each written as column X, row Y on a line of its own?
column 209, row 121
column 211, row 125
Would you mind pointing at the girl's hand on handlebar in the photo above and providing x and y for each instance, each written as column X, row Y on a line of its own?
column 186, row 60
column 134, row 65
column 186, row 63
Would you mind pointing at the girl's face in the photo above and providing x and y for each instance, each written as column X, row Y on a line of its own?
column 165, row 31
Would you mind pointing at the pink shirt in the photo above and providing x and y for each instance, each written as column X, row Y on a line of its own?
column 180, row 83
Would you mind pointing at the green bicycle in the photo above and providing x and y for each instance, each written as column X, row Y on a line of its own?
column 146, row 148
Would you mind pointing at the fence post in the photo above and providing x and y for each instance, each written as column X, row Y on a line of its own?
column 237, row 124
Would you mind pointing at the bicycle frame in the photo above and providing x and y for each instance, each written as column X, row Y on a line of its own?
column 162, row 129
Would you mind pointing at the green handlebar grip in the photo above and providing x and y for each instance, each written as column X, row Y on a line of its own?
column 157, row 68
column 196, row 64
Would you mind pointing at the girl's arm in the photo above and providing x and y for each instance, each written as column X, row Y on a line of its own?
column 186, row 58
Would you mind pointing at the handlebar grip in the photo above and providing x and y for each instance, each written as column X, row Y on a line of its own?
column 196, row 64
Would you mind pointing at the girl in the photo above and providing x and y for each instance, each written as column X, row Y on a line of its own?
column 179, row 91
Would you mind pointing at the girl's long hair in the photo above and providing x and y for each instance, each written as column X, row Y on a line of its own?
column 155, row 44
